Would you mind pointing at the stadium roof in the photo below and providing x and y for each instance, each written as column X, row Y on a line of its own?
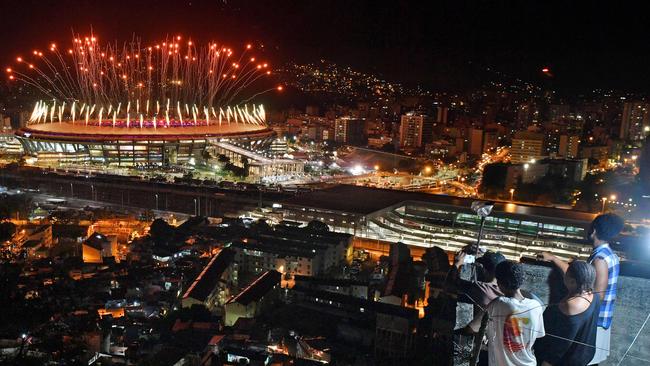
column 80, row 131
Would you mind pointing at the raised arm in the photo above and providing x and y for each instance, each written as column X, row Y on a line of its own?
column 562, row 265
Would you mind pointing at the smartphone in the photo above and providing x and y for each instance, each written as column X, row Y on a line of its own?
column 470, row 258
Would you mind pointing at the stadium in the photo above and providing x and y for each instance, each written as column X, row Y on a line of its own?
column 168, row 103
column 69, row 143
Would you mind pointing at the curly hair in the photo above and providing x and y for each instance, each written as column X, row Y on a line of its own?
column 607, row 226
column 510, row 275
column 584, row 274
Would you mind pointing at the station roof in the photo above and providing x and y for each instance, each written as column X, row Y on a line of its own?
column 367, row 200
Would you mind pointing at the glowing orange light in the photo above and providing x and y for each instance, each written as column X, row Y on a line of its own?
column 248, row 46
column 545, row 70
column 178, row 38
column 11, row 77
column 268, row 73
column 53, row 45
column 252, row 59
column 280, row 88
column 8, row 69
column 31, row 66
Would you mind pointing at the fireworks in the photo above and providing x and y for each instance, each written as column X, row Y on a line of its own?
column 174, row 82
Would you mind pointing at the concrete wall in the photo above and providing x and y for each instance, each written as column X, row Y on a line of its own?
column 632, row 309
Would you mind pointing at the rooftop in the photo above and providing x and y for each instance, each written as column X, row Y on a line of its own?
column 81, row 131
column 211, row 274
column 96, row 240
column 367, row 200
column 258, row 289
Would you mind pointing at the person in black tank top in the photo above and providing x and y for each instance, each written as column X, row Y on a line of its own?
column 571, row 325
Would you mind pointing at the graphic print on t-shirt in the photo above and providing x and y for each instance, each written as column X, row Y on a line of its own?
column 512, row 340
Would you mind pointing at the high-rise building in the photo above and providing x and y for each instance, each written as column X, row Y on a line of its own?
column 635, row 121
column 527, row 115
column 490, row 140
column 415, row 131
column 558, row 112
column 475, row 143
column 349, row 131
column 527, row 146
column 569, row 146
column 644, row 167
column 442, row 115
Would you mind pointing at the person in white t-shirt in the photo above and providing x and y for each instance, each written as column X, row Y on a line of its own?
column 514, row 321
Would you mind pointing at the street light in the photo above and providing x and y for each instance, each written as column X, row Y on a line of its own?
column 512, row 193
column 612, row 197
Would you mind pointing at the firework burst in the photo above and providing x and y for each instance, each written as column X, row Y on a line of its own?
column 174, row 82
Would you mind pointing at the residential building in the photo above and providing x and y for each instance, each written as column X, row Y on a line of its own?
column 293, row 251
column 568, row 147
column 527, row 146
column 250, row 301
column 211, row 287
column 350, row 131
column 415, row 131
column 635, row 121
column 475, row 141
column 97, row 247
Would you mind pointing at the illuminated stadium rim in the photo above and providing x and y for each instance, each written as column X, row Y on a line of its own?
column 172, row 133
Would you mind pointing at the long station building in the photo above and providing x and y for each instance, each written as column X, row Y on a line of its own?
column 426, row 220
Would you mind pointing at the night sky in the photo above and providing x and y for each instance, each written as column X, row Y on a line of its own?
column 440, row 45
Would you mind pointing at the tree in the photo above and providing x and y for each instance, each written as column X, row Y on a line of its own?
column 318, row 226
column 7, row 230
column 160, row 231
column 15, row 205
column 223, row 158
